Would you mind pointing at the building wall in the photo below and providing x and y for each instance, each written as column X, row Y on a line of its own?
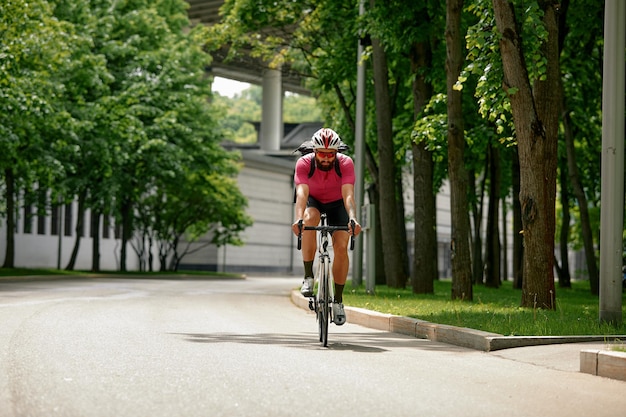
column 269, row 242
column 267, row 183
column 40, row 246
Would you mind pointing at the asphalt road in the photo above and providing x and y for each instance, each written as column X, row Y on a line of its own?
column 119, row 347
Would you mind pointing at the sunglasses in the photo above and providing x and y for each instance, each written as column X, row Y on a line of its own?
column 327, row 155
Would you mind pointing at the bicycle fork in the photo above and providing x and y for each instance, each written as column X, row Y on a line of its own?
column 316, row 301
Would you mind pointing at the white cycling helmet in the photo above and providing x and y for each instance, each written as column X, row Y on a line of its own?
column 326, row 138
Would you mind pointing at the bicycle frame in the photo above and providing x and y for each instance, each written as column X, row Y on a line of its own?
column 325, row 295
column 322, row 302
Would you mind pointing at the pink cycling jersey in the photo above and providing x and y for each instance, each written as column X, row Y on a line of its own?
column 324, row 186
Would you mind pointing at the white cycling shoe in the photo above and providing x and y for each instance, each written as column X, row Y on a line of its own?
column 339, row 314
column 307, row 287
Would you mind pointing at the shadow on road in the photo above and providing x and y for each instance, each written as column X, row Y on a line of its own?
column 304, row 341
column 356, row 342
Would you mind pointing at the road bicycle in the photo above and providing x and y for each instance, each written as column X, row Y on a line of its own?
column 322, row 301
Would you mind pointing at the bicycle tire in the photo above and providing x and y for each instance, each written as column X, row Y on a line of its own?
column 324, row 303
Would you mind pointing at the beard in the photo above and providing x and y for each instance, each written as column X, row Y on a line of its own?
column 324, row 165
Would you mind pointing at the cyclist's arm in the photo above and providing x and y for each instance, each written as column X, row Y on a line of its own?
column 347, row 191
column 302, row 196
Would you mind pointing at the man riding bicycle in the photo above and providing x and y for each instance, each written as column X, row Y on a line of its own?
column 325, row 184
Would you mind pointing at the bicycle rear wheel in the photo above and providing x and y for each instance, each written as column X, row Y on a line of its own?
column 323, row 305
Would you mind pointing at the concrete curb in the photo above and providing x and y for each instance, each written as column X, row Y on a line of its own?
column 606, row 363
column 459, row 336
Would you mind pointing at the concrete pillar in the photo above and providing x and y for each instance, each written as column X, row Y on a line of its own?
column 272, row 111
column 612, row 174
column 359, row 158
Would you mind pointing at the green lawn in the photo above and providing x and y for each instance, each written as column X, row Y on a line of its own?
column 493, row 310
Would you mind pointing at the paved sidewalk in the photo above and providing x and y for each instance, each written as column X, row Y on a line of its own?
column 555, row 352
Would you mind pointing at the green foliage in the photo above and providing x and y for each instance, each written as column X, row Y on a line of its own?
column 484, row 63
column 431, row 128
column 169, row 137
column 34, row 49
column 581, row 61
column 109, row 100
column 300, row 109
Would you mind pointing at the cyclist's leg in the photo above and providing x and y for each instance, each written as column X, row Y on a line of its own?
column 341, row 262
column 337, row 216
column 340, row 273
column 309, row 243
column 309, row 246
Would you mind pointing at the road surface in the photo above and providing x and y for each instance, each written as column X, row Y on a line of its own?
column 155, row 348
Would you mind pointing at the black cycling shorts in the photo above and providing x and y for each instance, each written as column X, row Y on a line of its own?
column 336, row 213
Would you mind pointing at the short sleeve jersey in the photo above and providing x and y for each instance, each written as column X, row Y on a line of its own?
column 324, row 186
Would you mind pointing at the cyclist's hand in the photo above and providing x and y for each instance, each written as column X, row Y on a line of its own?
column 357, row 227
column 297, row 227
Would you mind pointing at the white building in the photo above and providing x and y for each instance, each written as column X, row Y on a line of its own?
column 47, row 241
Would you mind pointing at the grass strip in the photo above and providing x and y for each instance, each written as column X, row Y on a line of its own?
column 494, row 310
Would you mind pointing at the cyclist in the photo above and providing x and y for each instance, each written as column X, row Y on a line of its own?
column 327, row 187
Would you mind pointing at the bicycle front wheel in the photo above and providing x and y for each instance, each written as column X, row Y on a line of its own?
column 323, row 310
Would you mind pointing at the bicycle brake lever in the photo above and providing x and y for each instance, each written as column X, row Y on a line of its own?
column 300, row 234
column 352, row 224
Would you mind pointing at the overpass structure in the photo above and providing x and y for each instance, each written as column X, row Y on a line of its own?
column 254, row 71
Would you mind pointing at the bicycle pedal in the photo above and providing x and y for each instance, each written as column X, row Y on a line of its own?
column 311, row 306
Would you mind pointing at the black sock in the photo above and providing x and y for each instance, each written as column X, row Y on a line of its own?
column 308, row 268
column 339, row 293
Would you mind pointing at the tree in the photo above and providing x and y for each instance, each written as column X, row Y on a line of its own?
column 85, row 153
column 391, row 237
column 493, row 251
column 33, row 53
column 425, row 234
column 535, row 106
column 580, row 45
column 406, row 30
column 411, row 30
column 159, row 122
column 460, row 240
column 113, row 103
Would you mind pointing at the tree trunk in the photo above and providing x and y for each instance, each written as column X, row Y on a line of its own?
column 579, row 193
column 401, row 216
column 477, row 216
column 535, row 114
column 518, row 238
column 460, row 239
column 424, row 202
column 379, row 268
column 127, row 222
column 9, row 255
column 95, row 242
column 505, row 242
column 80, row 222
column 150, row 254
column 492, row 270
column 563, row 269
column 391, row 237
